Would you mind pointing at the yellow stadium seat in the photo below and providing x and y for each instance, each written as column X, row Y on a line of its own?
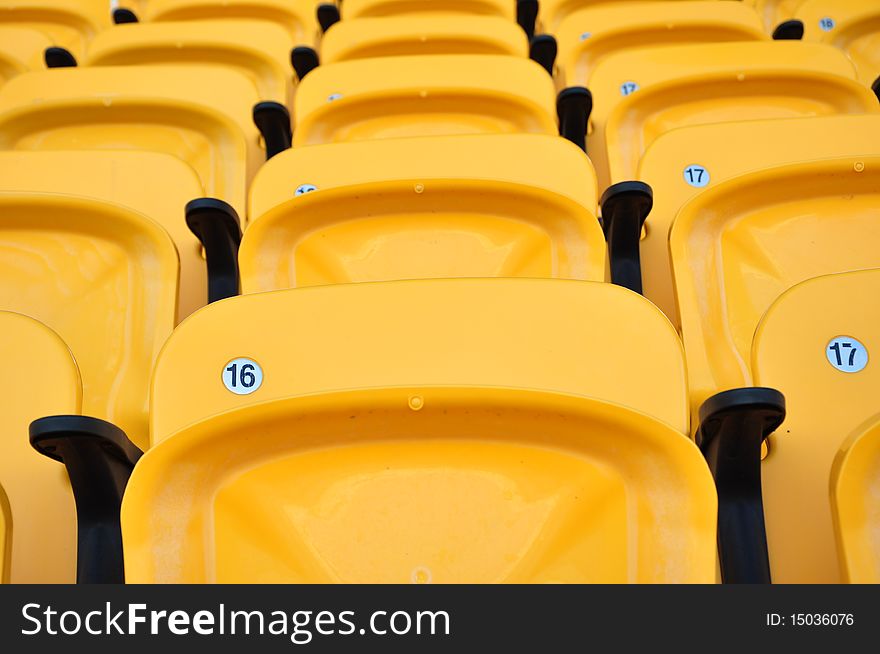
column 774, row 12
column 642, row 94
column 588, row 35
column 682, row 163
column 118, row 177
column 364, row 38
column 855, row 507
column 468, row 206
column 553, row 12
column 105, row 278
column 67, row 23
column 851, row 25
column 21, row 50
column 372, row 8
column 816, row 343
column 408, row 436
column 199, row 114
column 257, row 49
column 295, row 16
column 41, row 520
column 402, row 96
column 739, row 245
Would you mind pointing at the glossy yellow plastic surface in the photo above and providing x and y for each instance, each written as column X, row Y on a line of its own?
column 105, row 279
column 68, row 23
column 21, row 50
column 472, row 437
column 773, row 12
column 688, row 85
column 257, row 49
column 584, row 338
column 588, row 35
column 725, row 150
column 200, row 114
column 296, row 16
column 391, row 36
column 742, row 244
column 856, row 505
column 411, row 96
column 40, row 513
column 118, row 177
column 552, row 12
column 373, row 8
column 5, row 531
column 468, row 206
column 851, row 25
column 824, row 405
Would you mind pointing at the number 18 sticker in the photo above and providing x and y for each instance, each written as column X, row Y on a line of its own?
column 847, row 354
column 242, row 376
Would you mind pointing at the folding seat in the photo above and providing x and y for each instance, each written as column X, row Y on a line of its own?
column 588, row 35
column 295, row 16
column 68, row 24
column 40, row 514
column 104, row 277
column 373, row 8
column 118, row 177
column 642, row 94
column 684, row 162
column 817, row 344
column 199, row 114
column 364, row 38
column 21, row 50
column 552, row 12
column 403, row 96
column 519, row 205
column 494, row 430
column 851, row 25
column 854, row 493
column 257, row 49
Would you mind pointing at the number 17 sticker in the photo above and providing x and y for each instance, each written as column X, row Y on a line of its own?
column 847, row 354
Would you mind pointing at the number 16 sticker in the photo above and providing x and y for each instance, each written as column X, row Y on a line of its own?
column 242, row 376
column 847, row 354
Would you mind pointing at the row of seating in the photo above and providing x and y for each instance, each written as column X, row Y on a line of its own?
column 289, row 433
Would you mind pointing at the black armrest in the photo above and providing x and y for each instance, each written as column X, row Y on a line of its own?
column 273, row 121
column 527, row 15
column 99, row 459
column 790, row 30
column 216, row 225
column 123, row 16
column 543, row 49
column 304, row 60
column 573, row 108
column 733, row 426
column 625, row 207
column 328, row 16
column 56, row 57
column 875, row 87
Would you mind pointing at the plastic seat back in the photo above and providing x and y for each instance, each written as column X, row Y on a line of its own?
column 642, row 94
column 118, row 177
column 257, row 49
column 737, row 247
column 684, row 162
column 851, row 25
column 40, row 513
column 68, row 24
column 199, row 114
column 467, row 206
column 551, row 13
column 372, row 8
column 402, row 96
column 774, row 12
column 817, row 344
column 21, row 50
column 588, row 35
column 297, row 17
column 854, row 506
column 105, row 279
column 361, row 433
column 391, row 36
